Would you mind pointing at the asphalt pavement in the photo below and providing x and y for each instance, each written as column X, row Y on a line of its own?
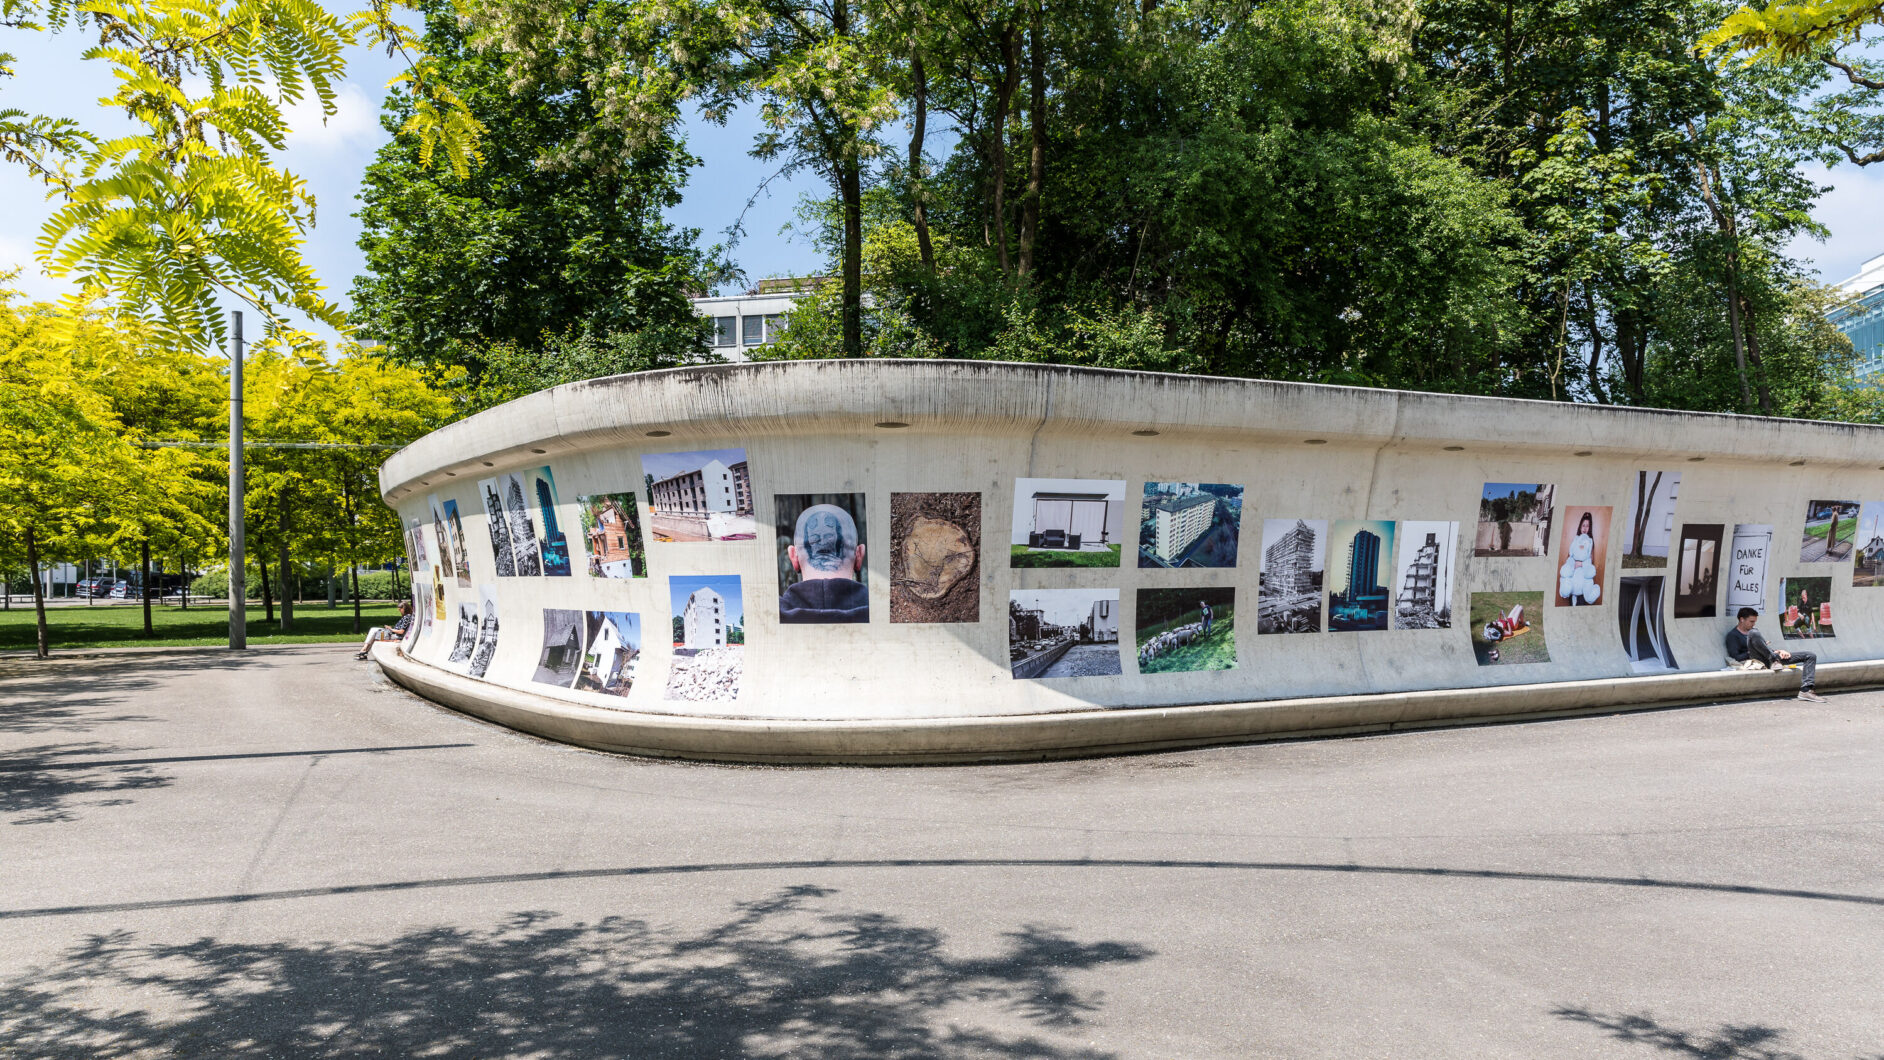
column 278, row 854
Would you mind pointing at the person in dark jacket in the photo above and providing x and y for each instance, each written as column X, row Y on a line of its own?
column 829, row 561
column 1744, row 642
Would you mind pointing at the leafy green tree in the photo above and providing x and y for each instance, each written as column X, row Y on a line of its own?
column 559, row 229
column 1830, row 33
column 190, row 208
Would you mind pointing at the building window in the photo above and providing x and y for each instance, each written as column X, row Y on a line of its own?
column 754, row 331
column 723, row 331
column 774, row 323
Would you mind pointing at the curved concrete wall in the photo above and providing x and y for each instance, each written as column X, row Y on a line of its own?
column 858, row 433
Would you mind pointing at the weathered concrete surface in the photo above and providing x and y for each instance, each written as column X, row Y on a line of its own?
column 1070, row 734
column 812, row 427
column 273, row 856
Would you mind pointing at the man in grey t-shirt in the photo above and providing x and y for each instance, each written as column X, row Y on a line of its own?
column 1744, row 642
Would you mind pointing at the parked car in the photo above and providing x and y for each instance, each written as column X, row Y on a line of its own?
column 123, row 591
column 93, row 587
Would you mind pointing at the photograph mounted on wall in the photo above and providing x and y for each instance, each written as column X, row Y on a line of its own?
column 466, row 640
column 1805, row 608
column 1644, row 634
column 422, row 601
column 487, row 632
column 1063, row 633
column 562, row 648
column 1189, row 524
column 418, row 545
column 1358, row 599
column 703, row 495
column 935, row 542
column 1508, row 628
column 611, row 530
column 438, row 593
column 1831, row 531
column 1697, row 570
column 1867, row 557
column 1181, row 630
column 611, row 652
column 1585, row 544
column 1423, row 575
column 551, row 543
column 460, row 556
column 492, row 491
column 1288, row 597
column 821, row 575
column 709, row 637
column 1067, row 522
column 1651, row 525
column 440, row 535
column 521, row 527
column 1746, row 567
column 1514, row 519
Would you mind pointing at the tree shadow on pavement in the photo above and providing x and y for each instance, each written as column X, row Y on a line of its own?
column 783, row 976
column 43, row 785
column 1751, row 1041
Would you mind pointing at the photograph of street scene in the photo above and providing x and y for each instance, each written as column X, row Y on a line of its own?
column 1063, row 633
column 1288, row 597
column 1067, row 522
column 1181, row 630
column 705, row 495
column 1831, row 530
column 1189, row 524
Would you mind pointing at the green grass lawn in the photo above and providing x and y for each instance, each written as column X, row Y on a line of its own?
column 122, row 626
column 1846, row 527
column 1023, row 556
column 1528, row 648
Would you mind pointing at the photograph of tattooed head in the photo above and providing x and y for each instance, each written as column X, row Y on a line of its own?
column 821, row 576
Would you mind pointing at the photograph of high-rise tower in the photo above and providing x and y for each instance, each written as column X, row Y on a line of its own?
column 1363, row 560
column 1288, row 599
column 1423, row 575
column 1189, row 524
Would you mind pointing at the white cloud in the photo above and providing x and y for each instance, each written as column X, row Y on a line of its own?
column 1854, row 212
column 353, row 126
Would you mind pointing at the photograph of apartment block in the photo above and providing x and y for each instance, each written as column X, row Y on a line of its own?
column 700, row 496
column 1289, row 597
column 1358, row 600
column 1189, row 524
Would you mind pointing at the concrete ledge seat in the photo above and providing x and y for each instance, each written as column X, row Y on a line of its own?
column 1075, row 734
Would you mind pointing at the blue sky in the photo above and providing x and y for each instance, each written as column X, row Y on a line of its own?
column 331, row 158
column 681, row 586
column 666, row 465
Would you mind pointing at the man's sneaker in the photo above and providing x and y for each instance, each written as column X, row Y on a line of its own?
column 1810, row 696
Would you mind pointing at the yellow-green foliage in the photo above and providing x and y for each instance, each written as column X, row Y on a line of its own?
column 1793, row 28
column 191, row 208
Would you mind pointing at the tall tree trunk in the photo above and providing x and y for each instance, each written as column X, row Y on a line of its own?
column 287, row 568
column 1010, row 80
column 353, row 575
column 918, row 190
column 1740, row 345
column 1646, row 491
column 41, row 641
column 143, row 588
column 1593, row 369
column 850, row 192
column 268, row 596
column 1760, row 382
column 1037, row 148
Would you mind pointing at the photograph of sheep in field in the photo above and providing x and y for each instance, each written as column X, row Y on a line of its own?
column 1181, row 630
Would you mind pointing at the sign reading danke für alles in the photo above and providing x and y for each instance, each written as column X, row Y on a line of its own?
column 1746, row 586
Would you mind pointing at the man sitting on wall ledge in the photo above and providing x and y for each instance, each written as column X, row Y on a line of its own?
column 1744, row 642
column 828, row 558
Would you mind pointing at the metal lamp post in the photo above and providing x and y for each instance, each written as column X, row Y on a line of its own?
column 238, row 589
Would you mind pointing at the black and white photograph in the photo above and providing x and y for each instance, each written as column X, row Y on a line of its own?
column 492, row 493
column 466, row 637
column 562, row 648
column 1640, row 608
column 821, row 575
column 521, row 527
column 454, row 538
column 1423, row 575
column 487, row 632
column 1063, row 633
column 439, row 535
column 1288, row 597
